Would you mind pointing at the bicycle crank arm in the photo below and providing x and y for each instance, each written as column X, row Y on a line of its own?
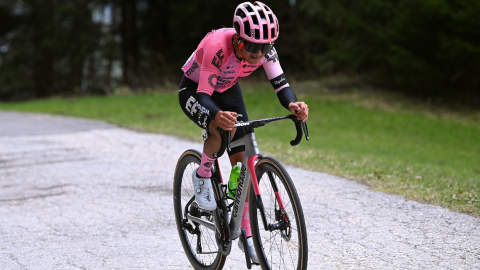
column 222, row 231
column 214, row 252
column 205, row 223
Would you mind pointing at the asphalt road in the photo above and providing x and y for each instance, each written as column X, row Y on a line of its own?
column 79, row 194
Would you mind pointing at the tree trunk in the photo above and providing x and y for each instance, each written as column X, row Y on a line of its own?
column 43, row 22
column 130, row 44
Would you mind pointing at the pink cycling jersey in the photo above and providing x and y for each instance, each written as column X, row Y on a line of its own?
column 215, row 67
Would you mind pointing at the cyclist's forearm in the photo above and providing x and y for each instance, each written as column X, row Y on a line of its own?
column 286, row 96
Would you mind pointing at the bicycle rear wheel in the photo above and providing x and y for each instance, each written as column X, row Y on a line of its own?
column 198, row 242
column 284, row 245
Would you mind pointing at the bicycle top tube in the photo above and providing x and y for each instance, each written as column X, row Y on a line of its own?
column 248, row 126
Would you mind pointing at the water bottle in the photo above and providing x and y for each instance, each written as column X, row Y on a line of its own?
column 233, row 182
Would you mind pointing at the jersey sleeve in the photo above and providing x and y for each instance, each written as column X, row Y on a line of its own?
column 212, row 56
column 274, row 71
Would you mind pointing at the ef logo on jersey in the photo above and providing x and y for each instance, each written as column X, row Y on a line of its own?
column 218, row 58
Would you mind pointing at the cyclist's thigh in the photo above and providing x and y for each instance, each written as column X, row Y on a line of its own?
column 188, row 101
column 232, row 100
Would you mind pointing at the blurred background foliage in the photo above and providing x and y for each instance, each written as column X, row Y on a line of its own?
column 428, row 48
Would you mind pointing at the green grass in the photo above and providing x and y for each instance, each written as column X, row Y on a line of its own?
column 386, row 141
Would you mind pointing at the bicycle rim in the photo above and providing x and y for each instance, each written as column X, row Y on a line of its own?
column 278, row 249
column 183, row 192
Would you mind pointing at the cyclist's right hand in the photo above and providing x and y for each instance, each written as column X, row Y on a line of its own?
column 226, row 120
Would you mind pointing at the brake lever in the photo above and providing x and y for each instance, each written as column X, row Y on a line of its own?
column 305, row 130
column 229, row 136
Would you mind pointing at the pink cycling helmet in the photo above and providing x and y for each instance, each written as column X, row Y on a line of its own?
column 255, row 22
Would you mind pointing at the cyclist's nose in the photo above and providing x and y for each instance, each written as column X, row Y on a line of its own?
column 259, row 53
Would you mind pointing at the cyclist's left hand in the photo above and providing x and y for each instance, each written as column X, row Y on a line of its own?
column 299, row 109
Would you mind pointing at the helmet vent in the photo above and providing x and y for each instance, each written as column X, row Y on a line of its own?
column 246, row 28
column 255, row 20
column 237, row 27
column 262, row 15
column 257, row 34
column 265, row 32
column 249, row 8
column 271, row 18
column 241, row 14
column 272, row 32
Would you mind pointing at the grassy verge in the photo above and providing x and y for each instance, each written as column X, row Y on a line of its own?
column 383, row 140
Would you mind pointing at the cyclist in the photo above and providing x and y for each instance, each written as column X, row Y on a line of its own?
column 210, row 94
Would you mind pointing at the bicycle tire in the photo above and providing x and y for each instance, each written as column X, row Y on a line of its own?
column 278, row 249
column 210, row 258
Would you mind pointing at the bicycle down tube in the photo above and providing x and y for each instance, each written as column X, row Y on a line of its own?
column 251, row 154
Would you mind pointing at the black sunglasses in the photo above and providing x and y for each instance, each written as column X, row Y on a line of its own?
column 255, row 47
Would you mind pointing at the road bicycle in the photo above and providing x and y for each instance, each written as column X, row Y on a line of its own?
column 276, row 215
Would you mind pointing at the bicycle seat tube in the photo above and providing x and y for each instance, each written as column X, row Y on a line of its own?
column 251, row 154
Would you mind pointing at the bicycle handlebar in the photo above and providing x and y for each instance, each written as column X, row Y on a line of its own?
column 300, row 126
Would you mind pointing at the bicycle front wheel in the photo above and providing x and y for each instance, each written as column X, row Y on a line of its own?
column 283, row 243
column 198, row 242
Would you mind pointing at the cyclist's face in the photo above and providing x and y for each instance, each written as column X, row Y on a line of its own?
column 254, row 52
column 252, row 58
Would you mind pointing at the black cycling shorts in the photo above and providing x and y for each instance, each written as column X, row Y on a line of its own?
column 230, row 100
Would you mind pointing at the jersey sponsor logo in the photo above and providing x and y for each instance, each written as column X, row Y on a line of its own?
column 272, row 56
column 279, row 81
column 218, row 58
column 248, row 72
column 229, row 71
column 229, row 67
column 192, row 69
column 194, row 108
column 238, row 79
column 250, row 66
column 212, row 80
column 222, row 81
column 190, row 106
column 204, row 122
column 202, row 109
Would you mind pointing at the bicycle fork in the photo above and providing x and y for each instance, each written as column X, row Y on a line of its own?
column 280, row 214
